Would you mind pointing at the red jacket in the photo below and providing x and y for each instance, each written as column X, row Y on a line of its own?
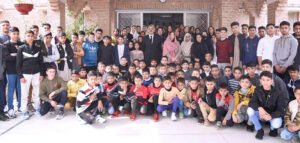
column 224, row 51
column 141, row 94
column 108, row 87
column 154, row 91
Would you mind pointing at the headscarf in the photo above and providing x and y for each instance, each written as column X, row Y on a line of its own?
column 170, row 48
column 186, row 46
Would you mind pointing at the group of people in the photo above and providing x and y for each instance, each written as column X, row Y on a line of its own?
column 207, row 75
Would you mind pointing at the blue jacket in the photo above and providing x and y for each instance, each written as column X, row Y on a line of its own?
column 90, row 53
column 249, row 50
column 126, row 53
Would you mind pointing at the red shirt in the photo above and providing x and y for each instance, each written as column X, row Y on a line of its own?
column 154, row 91
column 141, row 94
column 108, row 87
column 224, row 51
column 195, row 96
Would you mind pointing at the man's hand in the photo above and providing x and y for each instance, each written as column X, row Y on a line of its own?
column 235, row 119
column 277, row 68
column 259, row 67
column 199, row 101
column 268, row 117
column 53, row 103
column 282, row 70
column 121, row 97
column 193, row 106
column 262, row 112
column 23, row 80
column 51, row 95
column 224, row 122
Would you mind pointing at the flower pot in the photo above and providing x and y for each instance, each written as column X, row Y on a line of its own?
column 24, row 8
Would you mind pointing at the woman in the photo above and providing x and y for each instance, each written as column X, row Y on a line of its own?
column 186, row 47
column 134, row 32
column 198, row 50
column 171, row 49
column 114, row 36
column 211, row 31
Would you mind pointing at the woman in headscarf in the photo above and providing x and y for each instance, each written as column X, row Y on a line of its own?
column 186, row 47
column 134, row 33
column 198, row 50
column 171, row 49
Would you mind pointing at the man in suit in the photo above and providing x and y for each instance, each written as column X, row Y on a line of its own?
column 152, row 46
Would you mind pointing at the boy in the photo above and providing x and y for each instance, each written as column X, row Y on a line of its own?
column 254, row 78
column 53, row 93
column 73, row 87
column 162, row 70
column 82, row 73
column 291, row 118
column 77, row 52
column 182, row 90
column 228, row 73
column 148, row 80
column 225, row 106
column 172, row 68
column 185, row 68
column 224, row 50
column 153, row 71
column 206, row 70
column 168, row 99
column 53, row 54
column 153, row 62
column 292, row 81
column 88, row 101
column 105, row 99
column 153, row 97
column 242, row 98
column 237, row 40
column 64, row 64
column 234, row 83
column 123, row 65
column 207, row 102
column 267, row 104
column 116, row 71
column 209, row 58
column 110, row 82
column 30, row 69
column 82, row 38
column 90, row 48
column 164, row 60
column 250, row 47
column 106, row 53
column 215, row 72
column 193, row 95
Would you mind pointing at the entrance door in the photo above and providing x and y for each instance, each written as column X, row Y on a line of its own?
column 163, row 19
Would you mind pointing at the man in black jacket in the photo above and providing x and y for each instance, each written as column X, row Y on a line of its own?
column 29, row 68
column 267, row 104
column 3, row 117
column 237, row 40
column 152, row 45
column 296, row 34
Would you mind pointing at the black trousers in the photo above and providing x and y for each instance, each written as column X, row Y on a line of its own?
column 61, row 99
column 90, row 113
column 89, row 68
column 151, row 107
column 197, row 111
column 221, row 112
column 115, row 101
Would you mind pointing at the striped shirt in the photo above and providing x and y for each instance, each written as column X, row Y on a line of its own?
column 233, row 85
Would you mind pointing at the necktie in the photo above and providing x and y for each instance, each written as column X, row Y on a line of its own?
column 151, row 39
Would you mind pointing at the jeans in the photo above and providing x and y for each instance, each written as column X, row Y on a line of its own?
column 61, row 100
column 181, row 106
column 275, row 123
column 13, row 82
column 173, row 106
column 287, row 135
column 2, row 94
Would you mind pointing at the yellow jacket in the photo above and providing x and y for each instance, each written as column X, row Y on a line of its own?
column 239, row 97
column 73, row 87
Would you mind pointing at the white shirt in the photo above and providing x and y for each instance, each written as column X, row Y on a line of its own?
column 53, row 57
column 266, row 46
column 120, row 51
column 151, row 36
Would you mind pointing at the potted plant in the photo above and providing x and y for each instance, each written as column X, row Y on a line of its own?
column 23, row 7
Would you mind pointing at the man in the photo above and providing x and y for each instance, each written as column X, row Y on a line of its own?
column 46, row 28
column 4, row 31
column 53, row 54
column 53, row 93
column 277, row 31
column 285, row 50
column 237, row 40
column 296, row 28
column 59, row 30
column 245, row 30
column 98, row 37
column 152, row 45
column 250, row 47
column 266, row 45
column 90, row 48
column 261, row 31
column 40, row 42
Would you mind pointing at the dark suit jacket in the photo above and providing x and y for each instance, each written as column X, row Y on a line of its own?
column 126, row 53
column 152, row 51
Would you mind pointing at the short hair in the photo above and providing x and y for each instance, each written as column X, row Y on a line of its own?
column 193, row 78
column 29, row 31
column 284, row 23
column 238, row 68
column 91, row 33
column 138, row 76
column 184, row 61
column 296, row 24
column 14, row 29
column 297, row 88
column 60, row 27
column 99, row 30
column 250, row 65
column 46, row 24
column 245, row 25
column 223, row 85
column 210, row 79
column 235, row 23
column 293, row 68
column 276, row 26
column 153, row 60
column 170, row 74
column 110, row 74
column 173, row 65
column 75, row 34
column 132, row 65
column 252, row 27
column 51, row 67
column 146, row 70
column 34, row 27
column 164, row 57
column 266, row 74
column 270, row 24
column 245, row 77
column 214, row 66
column 106, row 37
column 63, row 34
column 206, row 64
column 82, row 69
column 4, row 21
column 261, row 27
column 227, row 67
column 99, row 74
column 167, row 78
column 180, row 80
column 74, row 72
column 266, row 61
column 91, row 73
column 81, row 32
column 219, row 29
column 157, row 76
column 123, row 57
column 122, row 78
column 48, row 34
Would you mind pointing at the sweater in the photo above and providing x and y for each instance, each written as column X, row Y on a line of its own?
column 224, row 51
column 154, row 91
column 47, row 86
column 73, row 87
column 210, row 98
column 165, row 95
column 297, row 58
column 90, row 53
column 291, row 86
column 82, row 100
column 240, row 97
column 141, row 94
column 227, row 104
column 148, row 82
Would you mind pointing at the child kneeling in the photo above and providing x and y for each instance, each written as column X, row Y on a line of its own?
column 225, row 105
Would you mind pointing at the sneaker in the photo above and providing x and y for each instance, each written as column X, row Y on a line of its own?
column 60, row 115
column 181, row 115
column 26, row 115
column 250, row 128
column 173, row 117
column 12, row 114
column 273, row 133
column 206, row 123
column 37, row 112
column 125, row 112
column 201, row 120
column 164, row 113
column 142, row 114
column 219, row 124
column 3, row 117
column 30, row 108
column 155, row 117
column 116, row 114
column 132, row 117
column 19, row 111
column 51, row 111
column 99, row 119
column 260, row 134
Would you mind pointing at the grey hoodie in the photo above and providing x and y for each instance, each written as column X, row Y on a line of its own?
column 285, row 50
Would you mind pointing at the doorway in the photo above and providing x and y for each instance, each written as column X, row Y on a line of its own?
column 163, row 19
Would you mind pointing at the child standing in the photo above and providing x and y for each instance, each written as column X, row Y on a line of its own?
column 65, row 60
column 137, row 53
column 225, row 106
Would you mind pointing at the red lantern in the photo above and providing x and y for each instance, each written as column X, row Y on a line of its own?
column 24, row 8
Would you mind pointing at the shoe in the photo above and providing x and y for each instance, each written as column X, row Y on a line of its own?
column 60, row 115
column 125, row 112
column 51, row 111
column 3, row 117
column 173, row 116
column 219, row 125
column 164, row 113
column 37, row 112
column 74, row 109
column 273, row 133
column 201, row 120
column 116, row 114
column 26, row 115
column 250, row 128
column 19, row 111
column 99, row 119
column 30, row 108
column 142, row 114
column 181, row 115
column 12, row 114
column 155, row 117
column 206, row 123
column 260, row 134
column 132, row 117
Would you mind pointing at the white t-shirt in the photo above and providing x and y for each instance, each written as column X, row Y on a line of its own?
column 120, row 51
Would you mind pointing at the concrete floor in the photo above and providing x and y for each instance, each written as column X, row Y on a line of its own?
column 143, row 130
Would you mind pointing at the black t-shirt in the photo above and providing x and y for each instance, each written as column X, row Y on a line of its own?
column 123, row 69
